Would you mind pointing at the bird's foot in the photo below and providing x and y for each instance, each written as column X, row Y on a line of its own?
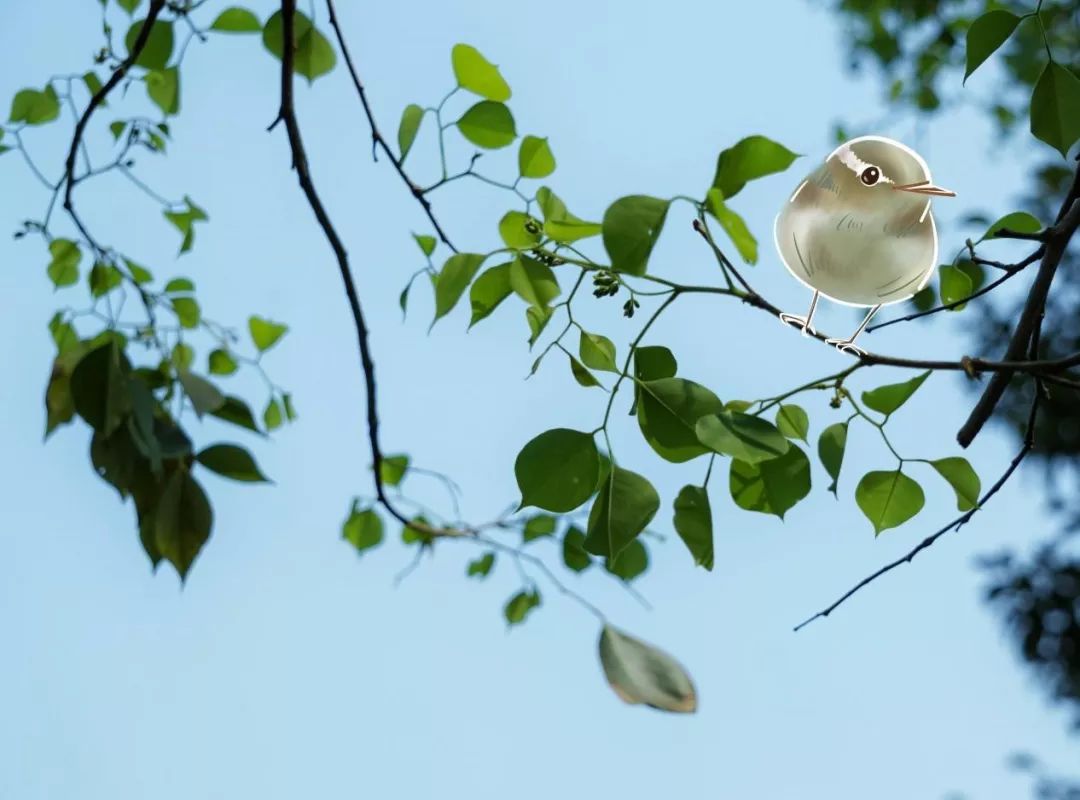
column 846, row 346
column 800, row 322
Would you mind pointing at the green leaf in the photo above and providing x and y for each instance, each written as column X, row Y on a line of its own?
column 93, row 84
column 455, row 276
column 888, row 499
column 411, row 118
column 163, row 88
column 631, row 227
column 488, row 291
column 954, row 285
column 653, row 362
column 1019, row 221
column 742, row 436
column 231, row 461
column 793, row 421
column 426, row 243
column 773, row 486
column 476, row 74
column 59, row 405
column 734, row 226
column 693, row 523
column 179, row 285
column 751, row 158
column 597, row 352
column 138, row 273
column 962, row 478
column 187, row 311
column 886, row 399
column 533, row 281
column 642, row 674
column 537, row 527
column 103, row 278
column 128, row 5
column 519, row 231
column 182, row 521
column 264, row 333
column 221, row 362
column 520, row 605
column 538, row 318
column 204, row 396
column 625, row 505
column 481, row 567
column 35, row 107
column 236, row 411
column 582, row 375
column 182, row 356
column 273, row 416
column 63, row 269
column 558, row 470
column 290, row 409
column 236, row 20
column 185, row 222
column 393, row 468
column 488, row 124
column 668, row 412
column 630, row 563
column 987, row 34
column 1055, row 108
column 831, row 445
column 535, row 159
column 560, row 224
column 574, row 555
column 99, row 387
column 363, row 528
column 159, row 44
column 313, row 55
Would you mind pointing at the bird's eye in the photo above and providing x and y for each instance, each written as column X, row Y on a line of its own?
column 870, row 176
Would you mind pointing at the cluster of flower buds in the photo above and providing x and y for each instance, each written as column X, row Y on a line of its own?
column 605, row 284
column 629, row 307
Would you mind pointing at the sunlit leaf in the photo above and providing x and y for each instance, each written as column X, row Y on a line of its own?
column 236, row 20
column 642, row 674
column 488, row 124
column 363, row 528
column 476, row 74
column 793, row 421
column 831, row 446
column 668, row 412
column 887, row 399
column 962, row 478
column 631, row 228
column 535, row 159
column 742, row 436
column 751, row 158
column 411, row 118
column 888, row 498
column 734, row 226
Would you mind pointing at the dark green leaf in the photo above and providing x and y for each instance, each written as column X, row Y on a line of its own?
column 313, row 55
column 653, row 362
column 393, row 468
column 290, row 409
column 954, row 285
column 159, row 44
column 411, row 118
column 163, row 88
column 693, row 523
column 488, row 124
column 734, row 226
column 519, row 606
column 642, row 674
column 888, row 498
column 232, row 461
column 630, row 563
column 560, row 224
column 558, row 470
column 537, row 527
column 35, row 107
column 100, row 389
column 93, row 84
column 236, row 20
column 962, row 478
column 103, row 279
column 455, row 276
column 1055, row 108
column 538, row 317
column 1019, row 221
column 128, row 5
column 481, row 567
column 626, row 503
column 886, row 399
column 534, row 158
column 831, row 445
column 751, row 158
column 362, row 528
column 773, row 486
column 742, row 436
column 987, row 34
column 668, row 412
column 597, row 352
column 519, row 231
column 533, row 281
column 582, row 375
column 574, row 555
column 488, row 291
column 476, row 74
column 793, row 421
column 631, row 227
column 63, row 269
column 138, row 273
column 237, row 412
column 182, row 521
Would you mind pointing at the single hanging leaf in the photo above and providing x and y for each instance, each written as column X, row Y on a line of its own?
column 560, row 224
column 425, row 243
column 558, row 470
column 575, row 556
column 1019, row 221
column 163, row 88
column 793, row 421
column 734, row 226
column 742, row 436
column 221, row 362
column 887, row 399
column 771, row 487
column 489, row 125
column 236, row 20
column 831, row 445
column 231, row 461
column 455, row 276
column 597, row 352
column 954, row 284
column 651, row 363
column 182, row 521
column 476, row 74
column 159, row 44
column 1055, row 108
column 631, row 563
column 63, row 269
column 693, row 523
column 520, row 606
column 313, row 55
column 668, row 412
column 962, row 478
column 488, row 291
column 363, row 528
column 642, row 674
column 481, row 567
column 631, row 228
column 751, row 158
column 986, row 34
column 237, row 412
column 537, row 527
column 265, row 333
column 888, row 499
column 184, row 221
column 538, row 318
column 533, row 281
column 273, row 416
column 35, row 107
column 582, row 375
column 392, row 469
column 625, row 505
column 535, row 159
column 411, row 118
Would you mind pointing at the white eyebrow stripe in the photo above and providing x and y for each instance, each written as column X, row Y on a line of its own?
column 857, row 165
column 801, row 185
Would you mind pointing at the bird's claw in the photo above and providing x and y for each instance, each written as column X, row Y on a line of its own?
column 797, row 321
column 846, row 346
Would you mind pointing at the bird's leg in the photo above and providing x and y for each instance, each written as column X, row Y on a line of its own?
column 803, row 322
column 848, row 345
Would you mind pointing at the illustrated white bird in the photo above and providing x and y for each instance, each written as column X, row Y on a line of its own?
column 859, row 230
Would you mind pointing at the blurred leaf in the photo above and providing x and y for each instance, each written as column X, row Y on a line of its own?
column 625, row 505
column 668, row 412
column 631, row 228
column 103, row 278
column 693, row 523
column 986, row 34
column 236, row 411
column 35, row 107
column 273, row 415
column 182, row 521
column 159, row 44
column 488, row 124
column 163, row 88
column 221, row 362
column 128, row 5
column 734, row 226
column 232, row 461
column 557, row 470
column 520, row 605
column 954, row 284
column 476, row 74
column 887, row 399
column 793, row 421
column 537, row 527
column 411, row 118
column 313, row 55
column 363, row 528
column 742, row 436
column 187, row 311
column 426, row 243
column 888, row 499
column 642, row 674
column 393, row 468
column 265, row 333
column 574, row 555
column 750, row 158
column 962, row 478
column 1055, row 108
column 99, row 387
column 185, row 222
column 204, row 396
column 63, row 269
column 773, row 486
column 481, row 567
column 831, row 445
column 236, row 20
column 535, row 159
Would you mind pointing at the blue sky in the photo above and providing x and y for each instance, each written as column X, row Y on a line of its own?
column 289, row 667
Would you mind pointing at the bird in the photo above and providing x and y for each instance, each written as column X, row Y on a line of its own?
column 859, row 230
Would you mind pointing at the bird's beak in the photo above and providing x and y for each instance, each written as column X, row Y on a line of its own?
column 925, row 187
